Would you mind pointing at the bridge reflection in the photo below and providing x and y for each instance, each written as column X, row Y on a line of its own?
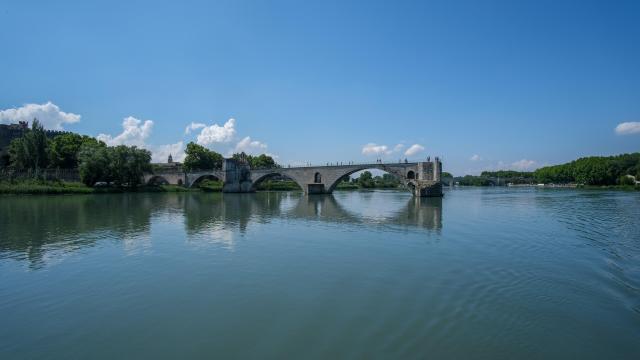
column 32, row 226
column 239, row 210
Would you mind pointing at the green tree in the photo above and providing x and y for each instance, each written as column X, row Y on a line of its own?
column 93, row 163
column 122, row 165
column 256, row 162
column 263, row 161
column 200, row 158
column 365, row 180
column 31, row 150
column 127, row 165
column 64, row 149
column 470, row 180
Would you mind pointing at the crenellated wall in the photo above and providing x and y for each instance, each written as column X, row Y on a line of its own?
column 14, row 131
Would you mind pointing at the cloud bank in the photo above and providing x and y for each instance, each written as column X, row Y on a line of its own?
column 134, row 133
column 49, row 115
column 249, row 146
column 375, row 149
column 628, row 128
column 216, row 133
column 193, row 126
column 524, row 165
column 414, row 149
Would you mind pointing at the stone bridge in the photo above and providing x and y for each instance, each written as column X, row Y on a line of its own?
column 421, row 178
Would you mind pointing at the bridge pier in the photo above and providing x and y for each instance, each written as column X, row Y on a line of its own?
column 427, row 189
column 315, row 189
column 237, row 177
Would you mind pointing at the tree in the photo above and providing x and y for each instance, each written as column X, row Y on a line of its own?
column 64, row 149
column 31, row 150
column 366, row 180
column 127, row 165
column 93, row 163
column 200, row 158
column 470, row 180
column 262, row 161
column 256, row 162
column 122, row 165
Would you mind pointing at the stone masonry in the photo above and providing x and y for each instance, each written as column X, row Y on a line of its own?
column 421, row 178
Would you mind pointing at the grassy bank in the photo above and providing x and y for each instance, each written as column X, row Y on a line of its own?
column 35, row 187
column 211, row 186
column 347, row 186
column 610, row 187
column 270, row 185
column 44, row 187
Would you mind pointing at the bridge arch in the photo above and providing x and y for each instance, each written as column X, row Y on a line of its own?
column 158, row 180
column 271, row 175
column 201, row 178
column 397, row 174
column 411, row 174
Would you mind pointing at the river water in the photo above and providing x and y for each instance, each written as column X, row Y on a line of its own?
column 482, row 273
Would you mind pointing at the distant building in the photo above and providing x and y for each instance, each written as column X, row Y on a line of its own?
column 8, row 133
column 633, row 178
column 13, row 131
column 170, row 165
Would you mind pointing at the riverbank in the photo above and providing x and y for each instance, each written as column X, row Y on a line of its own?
column 36, row 187
column 64, row 187
column 610, row 187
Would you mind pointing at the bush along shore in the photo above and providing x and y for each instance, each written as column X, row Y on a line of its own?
column 35, row 187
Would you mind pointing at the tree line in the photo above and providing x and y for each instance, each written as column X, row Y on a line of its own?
column 366, row 180
column 120, row 165
column 96, row 162
column 593, row 170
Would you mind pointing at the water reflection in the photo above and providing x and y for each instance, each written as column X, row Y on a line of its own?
column 31, row 227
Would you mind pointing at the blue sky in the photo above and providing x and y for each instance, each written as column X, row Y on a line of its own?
column 483, row 84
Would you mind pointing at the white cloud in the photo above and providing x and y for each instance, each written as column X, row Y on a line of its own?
column 524, row 164
column 475, row 157
column 250, row 146
column 49, row 115
column 374, row 149
column 398, row 147
column 216, row 133
column 134, row 132
column 414, row 149
column 160, row 153
column 193, row 126
column 628, row 128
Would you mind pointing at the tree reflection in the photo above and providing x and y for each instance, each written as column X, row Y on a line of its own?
column 32, row 225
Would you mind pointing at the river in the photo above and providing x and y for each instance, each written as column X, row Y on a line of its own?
column 493, row 273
